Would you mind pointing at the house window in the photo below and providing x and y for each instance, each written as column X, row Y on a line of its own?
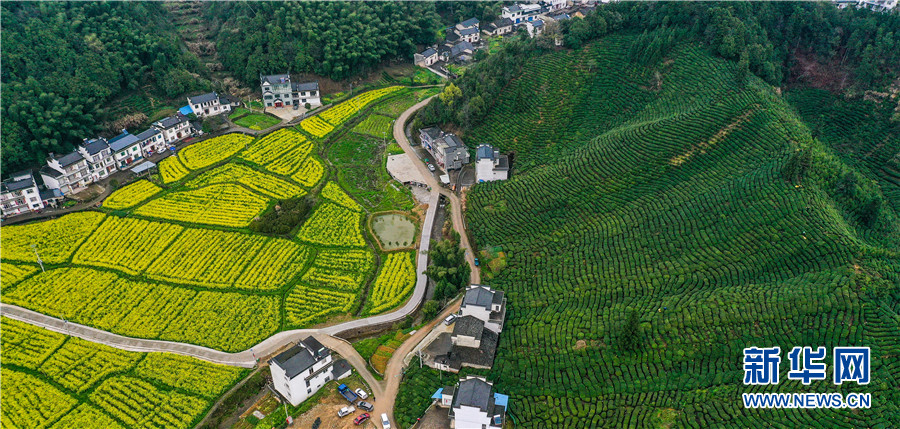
column 30, row 191
column 308, row 391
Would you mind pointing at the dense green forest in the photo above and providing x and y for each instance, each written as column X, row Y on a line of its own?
column 847, row 50
column 688, row 192
column 64, row 62
column 333, row 39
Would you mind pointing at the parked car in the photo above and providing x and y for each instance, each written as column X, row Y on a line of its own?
column 431, row 167
column 347, row 393
column 385, row 423
column 296, row 106
column 450, row 319
column 346, row 411
column 362, row 393
column 363, row 405
column 476, row 262
column 361, row 418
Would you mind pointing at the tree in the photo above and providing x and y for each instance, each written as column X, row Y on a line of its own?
column 450, row 93
column 629, row 338
column 430, row 309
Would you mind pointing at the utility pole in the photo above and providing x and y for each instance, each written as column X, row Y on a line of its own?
column 40, row 262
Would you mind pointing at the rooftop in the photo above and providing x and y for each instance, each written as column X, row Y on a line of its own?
column 275, row 79
column 96, row 145
column 474, row 392
column 306, row 86
column 144, row 135
column 50, row 171
column 484, row 151
column 171, row 121
column 469, row 22
column 69, row 159
column 204, row 98
column 468, row 31
column 300, row 357
column 16, row 185
column 433, row 132
column 469, row 326
column 428, row 52
column 482, row 296
column 122, row 141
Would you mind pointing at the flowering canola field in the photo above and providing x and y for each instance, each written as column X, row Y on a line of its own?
column 131, row 195
column 49, row 375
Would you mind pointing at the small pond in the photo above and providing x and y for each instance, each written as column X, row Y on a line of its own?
column 394, row 231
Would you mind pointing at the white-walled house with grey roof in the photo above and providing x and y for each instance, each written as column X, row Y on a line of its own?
column 99, row 157
column 152, row 141
column 301, row 370
column 126, row 149
column 209, row 104
column 475, row 405
column 173, row 128
column 20, row 194
column 69, row 173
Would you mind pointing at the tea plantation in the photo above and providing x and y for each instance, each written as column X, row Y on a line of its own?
column 701, row 201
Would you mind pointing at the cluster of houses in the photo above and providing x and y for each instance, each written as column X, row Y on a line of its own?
column 473, row 403
column 451, row 154
column 473, row 340
column 464, row 38
column 301, row 370
column 278, row 91
column 883, row 6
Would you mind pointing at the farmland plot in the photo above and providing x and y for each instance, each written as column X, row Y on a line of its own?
column 221, row 204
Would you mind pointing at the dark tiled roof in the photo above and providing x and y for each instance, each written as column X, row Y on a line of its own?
column 294, row 360
column 469, row 326
column 147, row 134
column 513, row 8
column 453, row 141
column 171, row 121
column 483, row 356
column 468, row 31
column 96, row 145
column 50, row 171
column 484, row 151
column 15, row 185
column 502, row 163
column 433, row 132
column 203, row 98
column 503, row 22
column 339, row 368
column 306, row 86
column 469, row 22
column 428, row 52
column 478, row 296
column 474, row 392
column 69, row 159
column 276, row 79
column 122, row 141
column 460, row 48
column 50, row 194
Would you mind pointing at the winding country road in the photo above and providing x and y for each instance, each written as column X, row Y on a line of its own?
column 384, row 391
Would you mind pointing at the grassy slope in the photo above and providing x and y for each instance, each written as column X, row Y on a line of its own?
column 625, row 197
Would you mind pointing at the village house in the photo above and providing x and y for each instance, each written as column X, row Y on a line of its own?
column 209, row 104
column 69, row 173
column 20, row 194
column 126, row 149
column 473, row 341
column 554, row 5
column 499, row 27
column 534, row 28
column 521, row 12
column 99, row 158
column 300, row 371
column 473, row 404
column 173, row 128
column 448, row 150
column 278, row 91
column 426, row 58
column 459, row 52
column 151, row 141
column 490, row 165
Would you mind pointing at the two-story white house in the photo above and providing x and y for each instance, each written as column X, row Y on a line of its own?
column 173, row 128
column 554, row 5
column 69, row 173
column 20, row 194
column 499, row 27
column 448, row 150
column 490, row 165
column 99, row 157
column 209, row 104
column 475, row 405
column 278, row 91
column 520, row 12
column 152, row 141
column 485, row 304
column 535, row 27
column 303, row 369
column 126, row 148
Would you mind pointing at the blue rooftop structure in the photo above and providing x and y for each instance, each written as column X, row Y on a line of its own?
column 501, row 400
column 437, row 393
column 186, row 110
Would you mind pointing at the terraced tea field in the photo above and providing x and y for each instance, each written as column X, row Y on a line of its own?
column 172, row 258
column 64, row 382
column 692, row 205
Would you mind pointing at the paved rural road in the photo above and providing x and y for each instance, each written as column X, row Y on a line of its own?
column 384, row 391
column 456, row 205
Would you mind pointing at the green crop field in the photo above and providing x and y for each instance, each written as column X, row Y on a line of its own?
column 257, row 121
column 65, row 382
column 375, row 126
column 182, row 263
column 704, row 205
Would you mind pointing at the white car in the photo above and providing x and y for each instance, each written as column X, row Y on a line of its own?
column 385, row 423
column 346, row 411
column 362, row 394
column 450, row 319
column 431, row 167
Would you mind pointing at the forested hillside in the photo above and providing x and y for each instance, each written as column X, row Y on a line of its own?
column 693, row 196
column 64, row 62
column 333, row 39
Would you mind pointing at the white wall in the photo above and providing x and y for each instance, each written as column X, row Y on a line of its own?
column 470, row 418
column 296, row 390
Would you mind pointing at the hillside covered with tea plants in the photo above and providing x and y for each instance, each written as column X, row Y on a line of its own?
column 696, row 197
